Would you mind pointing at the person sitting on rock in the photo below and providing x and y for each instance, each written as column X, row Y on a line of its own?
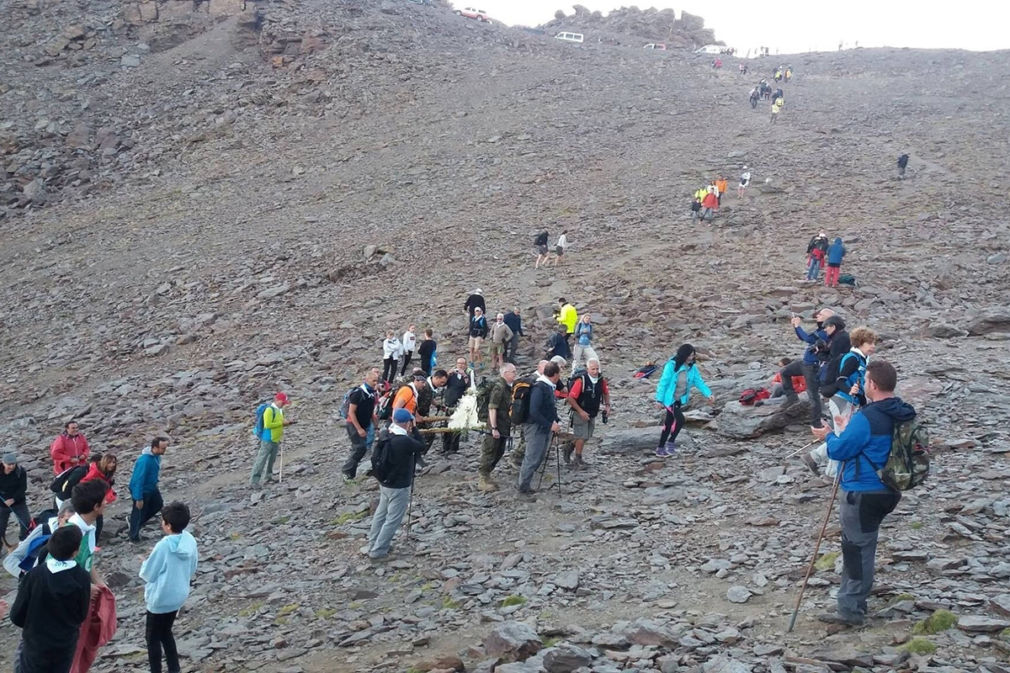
column 799, row 383
column 809, row 367
column 680, row 375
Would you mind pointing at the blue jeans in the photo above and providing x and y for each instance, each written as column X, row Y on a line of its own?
column 393, row 504
column 813, row 269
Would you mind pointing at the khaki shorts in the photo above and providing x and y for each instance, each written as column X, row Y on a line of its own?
column 475, row 342
column 497, row 348
column 583, row 429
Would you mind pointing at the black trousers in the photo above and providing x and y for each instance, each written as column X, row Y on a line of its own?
column 809, row 372
column 672, row 424
column 406, row 360
column 159, row 635
column 140, row 516
column 389, row 369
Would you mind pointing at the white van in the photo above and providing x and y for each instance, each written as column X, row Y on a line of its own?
column 709, row 49
column 570, row 37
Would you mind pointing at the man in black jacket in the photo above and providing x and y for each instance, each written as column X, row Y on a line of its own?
column 515, row 323
column 541, row 425
column 474, row 301
column 13, row 486
column 404, row 448
column 51, row 605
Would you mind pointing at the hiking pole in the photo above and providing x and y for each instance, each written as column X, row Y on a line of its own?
column 817, row 547
column 803, row 448
column 280, row 476
column 557, row 456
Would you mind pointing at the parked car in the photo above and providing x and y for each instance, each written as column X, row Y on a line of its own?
column 472, row 13
column 656, row 45
column 570, row 37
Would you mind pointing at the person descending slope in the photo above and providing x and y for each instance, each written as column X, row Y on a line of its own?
column 674, row 392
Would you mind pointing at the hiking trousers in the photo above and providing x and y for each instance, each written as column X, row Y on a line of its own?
column 860, row 515
column 263, row 465
column 393, row 503
column 537, row 440
column 491, row 452
column 809, row 373
column 24, row 518
column 831, row 275
column 389, row 369
column 158, row 632
column 141, row 515
column 582, row 354
column 359, row 447
column 813, row 269
column 672, row 424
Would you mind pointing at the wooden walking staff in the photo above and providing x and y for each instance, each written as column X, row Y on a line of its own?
column 817, row 547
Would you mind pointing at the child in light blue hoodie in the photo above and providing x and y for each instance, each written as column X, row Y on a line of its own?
column 168, row 571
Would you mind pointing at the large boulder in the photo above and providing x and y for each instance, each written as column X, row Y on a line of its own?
column 991, row 322
column 742, row 422
column 566, row 659
column 635, row 440
column 512, row 641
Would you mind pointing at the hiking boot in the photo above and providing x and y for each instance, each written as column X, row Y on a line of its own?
column 671, row 448
column 365, row 549
column 838, row 618
column 348, row 478
column 579, row 463
column 486, row 484
column 568, row 453
column 661, row 451
column 811, row 464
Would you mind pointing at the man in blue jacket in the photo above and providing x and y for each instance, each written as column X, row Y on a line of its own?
column 541, row 425
column 808, row 367
column 865, row 442
column 144, row 486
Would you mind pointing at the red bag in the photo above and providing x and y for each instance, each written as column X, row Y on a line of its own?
column 98, row 628
column 751, row 395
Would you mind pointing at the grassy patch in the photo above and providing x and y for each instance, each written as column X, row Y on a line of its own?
column 251, row 609
column 348, row 517
column 827, row 562
column 1005, row 634
column 513, row 600
column 551, row 642
column 449, row 604
column 287, row 609
column 915, row 525
column 325, row 613
column 941, row 620
column 235, row 537
column 902, row 597
column 281, row 520
column 919, row 646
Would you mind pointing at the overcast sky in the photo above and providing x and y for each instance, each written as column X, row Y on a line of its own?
column 802, row 25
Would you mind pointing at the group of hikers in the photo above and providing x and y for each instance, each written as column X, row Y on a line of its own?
column 706, row 199
column 763, row 90
column 63, row 606
column 829, row 256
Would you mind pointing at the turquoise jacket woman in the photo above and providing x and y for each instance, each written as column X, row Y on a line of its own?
column 668, row 383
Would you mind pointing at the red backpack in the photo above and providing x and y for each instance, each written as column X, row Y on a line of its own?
column 751, row 395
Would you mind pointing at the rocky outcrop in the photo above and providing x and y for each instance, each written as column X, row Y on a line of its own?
column 632, row 25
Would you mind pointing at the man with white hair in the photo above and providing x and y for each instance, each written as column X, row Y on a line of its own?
column 501, row 335
column 588, row 396
column 499, row 423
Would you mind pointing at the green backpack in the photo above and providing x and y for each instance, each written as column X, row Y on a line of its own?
column 907, row 465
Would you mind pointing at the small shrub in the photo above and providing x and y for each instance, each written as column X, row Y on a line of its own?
column 915, row 525
column 826, row 562
column 941, row 620
column 513, row 600
column 919, row 646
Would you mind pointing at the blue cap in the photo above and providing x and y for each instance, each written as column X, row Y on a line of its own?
column 401, row 415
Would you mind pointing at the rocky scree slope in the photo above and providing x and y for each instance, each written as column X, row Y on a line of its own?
column 237, row 265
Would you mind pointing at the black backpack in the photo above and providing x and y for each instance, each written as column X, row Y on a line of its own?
column 541, row 238
column 519, row 411
column 381, row 463
column 591, row 396
column 64, row 483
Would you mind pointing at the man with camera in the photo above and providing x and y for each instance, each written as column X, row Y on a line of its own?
column 815, row 353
